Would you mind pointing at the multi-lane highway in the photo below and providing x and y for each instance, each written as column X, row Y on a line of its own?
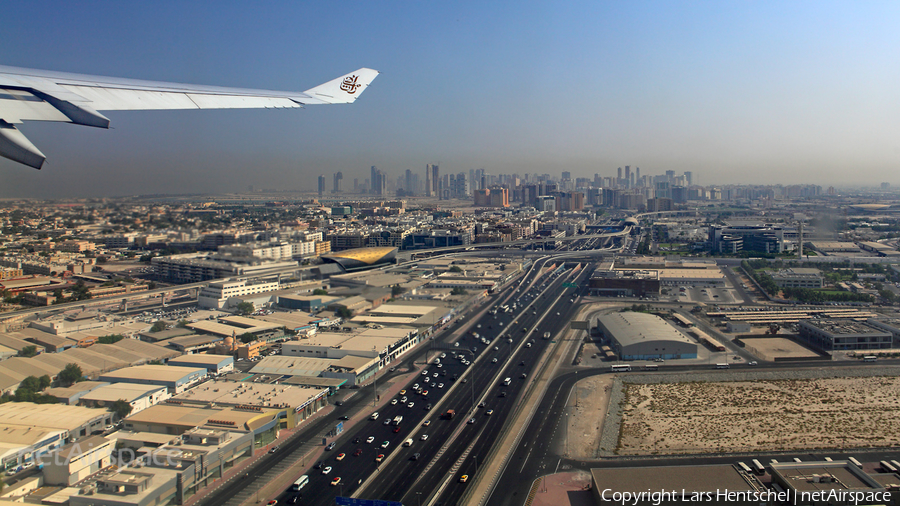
column 466, row 377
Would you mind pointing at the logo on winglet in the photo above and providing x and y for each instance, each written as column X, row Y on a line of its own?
column 349, row 85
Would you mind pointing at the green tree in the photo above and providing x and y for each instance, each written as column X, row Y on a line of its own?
column 45, row 381
column 182, row 324
column 121, row 408
column 458, row 291
column 245, row 307
column 70, row 375
column 320, row 291
column 28, row 351
column 158, row 326
column 454, row 268
column 344, row 313
column 247, row 337
column 110, row 339
column 397, row 290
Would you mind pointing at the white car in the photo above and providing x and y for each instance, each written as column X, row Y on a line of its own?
column 393, row 402
column 424, row 437
column 410, row 405
column 370, row 439
column 440, row 385
column 326, row 470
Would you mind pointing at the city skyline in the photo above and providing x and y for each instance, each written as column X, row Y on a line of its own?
column 741, row 94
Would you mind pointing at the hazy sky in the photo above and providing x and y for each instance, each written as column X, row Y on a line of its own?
column 737, row 92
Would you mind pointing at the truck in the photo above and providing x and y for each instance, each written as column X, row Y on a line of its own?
column 507, row 381
column 449, row 414
column 397, row 420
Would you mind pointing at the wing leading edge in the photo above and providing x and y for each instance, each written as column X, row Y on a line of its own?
column 36, row 95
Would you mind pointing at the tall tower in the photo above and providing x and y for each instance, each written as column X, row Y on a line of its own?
column 322, row 185
column 800, row 240
column 432, row 180
column 338, row 176
column 689, row 176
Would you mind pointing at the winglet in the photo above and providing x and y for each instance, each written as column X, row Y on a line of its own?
column 345, row 89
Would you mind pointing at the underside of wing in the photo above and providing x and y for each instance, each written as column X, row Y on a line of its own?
column 36, row 95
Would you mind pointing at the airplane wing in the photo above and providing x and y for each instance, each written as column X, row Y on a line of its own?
column 39, row 95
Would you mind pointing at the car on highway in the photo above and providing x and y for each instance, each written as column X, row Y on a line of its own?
column 273, row 502
column 330, row 447
column 344, row 417
column 410, row 405
column 471, row 421
column 396, row 429
column 403, row 400
column 387, row 421
column 464, row 478
column 423, row 437
column 335, row 481
column 752, row 362
column 385, row 444
column 356, row 440
column 426, row 423
column 415, row 456
column 326, row 470
column 379, row 458
column 370, row 439
column 274, row 449
column 393, row 402
column 440, row 385
column 424, row 392
column 489, row 412
column 358, row 452
column 340, row 456
column 403, row 392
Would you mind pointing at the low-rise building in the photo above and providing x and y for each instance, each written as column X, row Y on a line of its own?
column 175, row 379
column 831, row 334
column 139, row 397
column 799, row 277
column 214, row 364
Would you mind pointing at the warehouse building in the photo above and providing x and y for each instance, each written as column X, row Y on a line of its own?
column 214, row 364
column 26, row 428
column 643, row 336
column 175, row 379
column 139, row 397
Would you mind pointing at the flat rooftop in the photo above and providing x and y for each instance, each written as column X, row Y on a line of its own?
column 292, row 366
column 838, row 475
column 129, row 392
column 239, row 393
column 198, row 358
column 150, row 372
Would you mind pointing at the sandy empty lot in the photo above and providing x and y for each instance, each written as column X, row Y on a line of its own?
column 769, row 415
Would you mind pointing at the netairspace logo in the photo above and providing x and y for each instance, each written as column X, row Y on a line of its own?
column 658, row 497
column 122, row 458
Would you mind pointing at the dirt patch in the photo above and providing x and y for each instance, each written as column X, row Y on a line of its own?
column 585, row 420
column 773, row 415
column 770, row 348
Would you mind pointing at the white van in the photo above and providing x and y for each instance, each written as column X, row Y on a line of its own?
column 374, row 416
column 408, row 442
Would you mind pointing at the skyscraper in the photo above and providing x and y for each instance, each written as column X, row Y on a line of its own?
column 432, row 181
column 566, row 175
column 379, row 182
column 322, row 185
column 689, row 176
column 338, row 176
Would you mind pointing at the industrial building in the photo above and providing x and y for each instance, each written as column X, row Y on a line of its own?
column 643, row 336
column 830, row 334
column 361, row 258
column 26, row 428
column 214, row 364
column 139, row 397
column 175, row 379
column 819, row 482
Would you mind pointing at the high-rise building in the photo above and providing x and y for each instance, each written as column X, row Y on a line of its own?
column 379, row 182
column 566, row 175
column 620, row 174
column 689, row 177
column 322, row 185
column 338, row 176
column 410, row 183
column 435, row 180
column 628, row 175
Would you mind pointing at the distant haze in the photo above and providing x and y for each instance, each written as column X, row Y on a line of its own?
column 736, row 92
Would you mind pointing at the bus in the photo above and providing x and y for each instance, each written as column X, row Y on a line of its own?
column 744, row 467
column 722, row 366
column 651, row 367
column 887, row 467
column 300, row 483
column 758, row 467
column 855, row 462
column 870, row 358
column 621, row 368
